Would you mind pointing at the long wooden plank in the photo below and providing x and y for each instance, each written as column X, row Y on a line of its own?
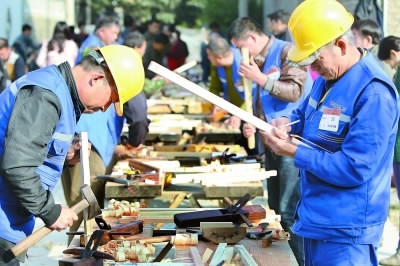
column 209, row 96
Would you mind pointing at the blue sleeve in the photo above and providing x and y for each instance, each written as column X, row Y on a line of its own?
column 366, row 145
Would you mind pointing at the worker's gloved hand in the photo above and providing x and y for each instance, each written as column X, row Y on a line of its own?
column 65, row 220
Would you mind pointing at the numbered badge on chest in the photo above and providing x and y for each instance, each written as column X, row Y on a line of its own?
column 330, row 120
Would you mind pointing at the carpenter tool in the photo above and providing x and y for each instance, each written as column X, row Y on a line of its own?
column 229, row 235
column 259, row 232
column 131, row 179
column 120, row 231
column 230, row 214
column 88, row 202
column 89, row 255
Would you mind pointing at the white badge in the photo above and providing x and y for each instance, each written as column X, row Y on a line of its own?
column 330, row 120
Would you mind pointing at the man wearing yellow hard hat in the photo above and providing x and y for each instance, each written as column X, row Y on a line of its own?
column 347, row 128
column 104, row 128
column 39, row 113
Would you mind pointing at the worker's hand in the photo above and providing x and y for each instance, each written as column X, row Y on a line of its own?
column 126, row 151
column 65, row 220
column 248, row 130
column 233, row 121
column 281, row 123
column 252, row 72
column 278, row 140
column 74, row 154
column 216, row 114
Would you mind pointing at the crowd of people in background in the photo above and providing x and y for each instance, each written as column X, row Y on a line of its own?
column 279, row 88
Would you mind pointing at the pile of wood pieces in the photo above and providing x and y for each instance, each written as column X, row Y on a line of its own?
column 122, row 208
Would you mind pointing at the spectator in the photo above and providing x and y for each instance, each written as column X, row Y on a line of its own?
column 178, row 52
column 81, row 35
column 61, row 48
column 155, row 51
column 129, row 26
column 153, row 30
column 4, row 79
column 14, row 63
column 279, row 89
column 345, row 169
column 277, row 24
column 389, row 52
column 105, row 33
column 367, row 34
column 137, row 41
column 24, row 44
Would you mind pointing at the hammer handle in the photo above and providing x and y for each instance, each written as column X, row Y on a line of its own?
column 39, row 234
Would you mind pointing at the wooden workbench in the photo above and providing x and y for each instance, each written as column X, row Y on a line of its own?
column 190, row 191
column 276, row 254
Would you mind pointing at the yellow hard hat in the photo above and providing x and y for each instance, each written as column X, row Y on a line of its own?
column 126, row 68
column 315, row 23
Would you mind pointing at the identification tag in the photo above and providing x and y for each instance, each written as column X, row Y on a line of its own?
column 330, row 120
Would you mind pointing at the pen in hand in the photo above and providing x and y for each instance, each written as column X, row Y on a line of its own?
column 292, row 123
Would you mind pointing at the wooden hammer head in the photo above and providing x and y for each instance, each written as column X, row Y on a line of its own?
column 94, row 208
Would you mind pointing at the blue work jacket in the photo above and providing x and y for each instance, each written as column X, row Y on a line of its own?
column 19, row 226
column 237, row 79
column 345, row 175
column 274, row 107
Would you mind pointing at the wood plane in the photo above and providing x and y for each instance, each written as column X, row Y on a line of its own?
column 236, row 213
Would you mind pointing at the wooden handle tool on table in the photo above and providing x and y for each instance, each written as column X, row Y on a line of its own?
column 248, row 98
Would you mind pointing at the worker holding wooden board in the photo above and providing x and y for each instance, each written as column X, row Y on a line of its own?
column 229, row 84
column 280, row 88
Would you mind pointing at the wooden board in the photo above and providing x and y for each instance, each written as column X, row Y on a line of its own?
column 142, row 190
column 236, row 190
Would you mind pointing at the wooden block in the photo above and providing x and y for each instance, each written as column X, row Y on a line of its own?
column 245, row 256
column 217, row 258
column 194, row 253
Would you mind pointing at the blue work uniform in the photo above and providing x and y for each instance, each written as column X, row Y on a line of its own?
column 14, row 226
column 236, row 78
column 345, row 177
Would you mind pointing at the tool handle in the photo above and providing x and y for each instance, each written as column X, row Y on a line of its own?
column 39, row 234
column 248, row 98
column 80, row 206
column 29, row 241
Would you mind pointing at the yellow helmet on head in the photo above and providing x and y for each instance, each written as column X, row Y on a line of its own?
column 126, row 68
column 315, row 23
